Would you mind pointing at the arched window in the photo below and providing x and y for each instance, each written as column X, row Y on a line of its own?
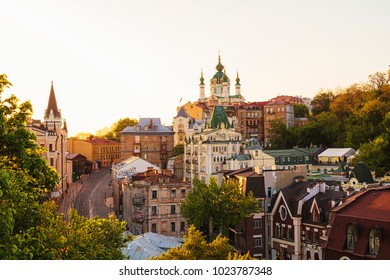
column 374, row 241
column 352, row 235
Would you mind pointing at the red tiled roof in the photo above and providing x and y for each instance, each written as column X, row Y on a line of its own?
column 368, row 209
column 373, row 203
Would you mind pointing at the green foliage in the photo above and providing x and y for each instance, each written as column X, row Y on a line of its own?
column 376, row 154
column 82, row 135
column 196, row 247
column 212, row 207
column 321, row 102
column 177, row 150
column 357, row 117
column 301, row 111
column 30, row 227
column 97, row 239
column 279, row 135
column 114, row 132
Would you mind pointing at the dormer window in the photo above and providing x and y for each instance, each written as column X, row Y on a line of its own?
column 352, row 235
column 374, row 241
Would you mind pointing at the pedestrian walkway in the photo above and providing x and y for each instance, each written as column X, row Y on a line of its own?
column 69, row 196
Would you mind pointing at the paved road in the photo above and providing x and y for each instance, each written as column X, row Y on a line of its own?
column 91, row 199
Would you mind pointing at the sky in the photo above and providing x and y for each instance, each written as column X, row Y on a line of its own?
column 123, row 58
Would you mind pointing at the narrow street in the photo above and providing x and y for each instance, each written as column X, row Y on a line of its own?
column 91, row 197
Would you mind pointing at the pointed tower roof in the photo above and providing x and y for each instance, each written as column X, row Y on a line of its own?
column 201, row 78
column 219, row 116
column 219, row 66
column 52, row 104
column 237, row 80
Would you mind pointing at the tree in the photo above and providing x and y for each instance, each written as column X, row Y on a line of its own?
column 301, row 111
column 321, row 102
column 281, row 137
column 196, row 247
column 116, row 128
column 329, row 127
column 212, row 207
column 30, row 227
column 82, row 135
column 177, row 150
column 376, row 154
column 378, row 80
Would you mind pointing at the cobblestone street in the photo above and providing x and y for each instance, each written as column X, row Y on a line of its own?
column 91, row 196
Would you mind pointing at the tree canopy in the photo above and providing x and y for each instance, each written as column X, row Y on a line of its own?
column 30, row 227
column 196, row 247
column 216, row 208
column 355, row 117
column 113, row 133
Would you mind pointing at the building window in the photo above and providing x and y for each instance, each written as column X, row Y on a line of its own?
column 307, row 235
column 289, row 233
column 257, row 223
column 374, row 241
column 277, row 231
column 182, row 226
column 51, row 161
column 154, row 228
column 352, row 234
column 154, row 210
column 154, row 194
column 50, row 147
column 284, row 232
column 315, row 236
column 183, row 192
column 173, row 209
column 257, row 242
column 173, row 193
column 173, row 227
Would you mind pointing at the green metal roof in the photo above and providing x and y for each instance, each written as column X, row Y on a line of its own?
column 219, row 116
column 218, row 76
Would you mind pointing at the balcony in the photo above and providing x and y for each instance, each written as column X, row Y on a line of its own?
column 138, row 201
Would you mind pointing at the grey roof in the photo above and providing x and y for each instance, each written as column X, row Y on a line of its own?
column 150, row 245
column 152, row 125
column 182, row 113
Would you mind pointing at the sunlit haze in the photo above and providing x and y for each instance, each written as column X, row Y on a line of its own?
column 124, row 58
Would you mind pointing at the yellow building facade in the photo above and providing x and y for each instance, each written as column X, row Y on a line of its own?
column 101, row 151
